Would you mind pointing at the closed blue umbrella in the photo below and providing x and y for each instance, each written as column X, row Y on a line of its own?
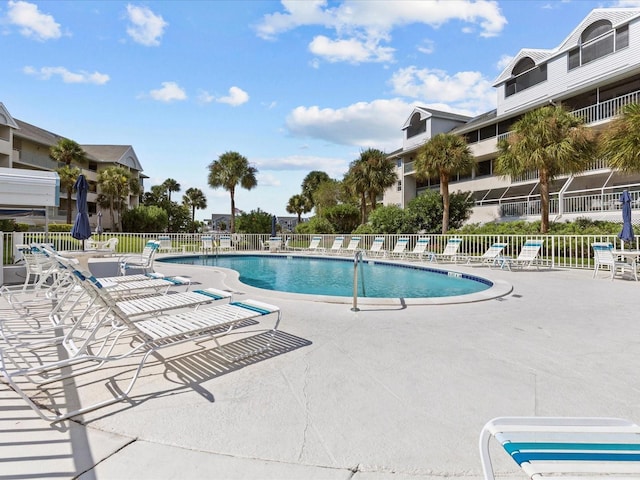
column 81, row 229
column 626, row 235
column 273, row 226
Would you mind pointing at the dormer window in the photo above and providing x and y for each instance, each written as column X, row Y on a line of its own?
column 416, row 126
column 525, row 74
column 597, row 40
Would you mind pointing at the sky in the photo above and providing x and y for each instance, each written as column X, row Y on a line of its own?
column 293, row 86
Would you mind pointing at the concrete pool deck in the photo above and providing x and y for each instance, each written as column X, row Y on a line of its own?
column 391, row 392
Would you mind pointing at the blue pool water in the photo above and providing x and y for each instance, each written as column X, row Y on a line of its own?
column 323, row 276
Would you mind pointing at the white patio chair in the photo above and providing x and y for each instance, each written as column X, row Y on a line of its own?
column 603, row 256
column 420, row 249
column 336, row 247
column 399, row 248
column 225, row 243
column 450, row 252
column 314, row 245
column 491, row 257
column 143, row 262
column 377, row 248
column 91, row 344
column 207, row 244
column 572, row 447
column 528, row 255
column 352, row 247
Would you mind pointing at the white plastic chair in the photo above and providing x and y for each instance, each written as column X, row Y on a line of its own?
column 399, row 248
column 491, row 256
column 575, row 447
column 143, row 262
column 377, row 249
column 603, row 257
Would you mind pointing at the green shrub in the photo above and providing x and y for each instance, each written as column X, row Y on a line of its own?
column 317, row 225
column 60, row 227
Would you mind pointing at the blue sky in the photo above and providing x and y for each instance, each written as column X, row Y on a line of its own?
column 294, row 86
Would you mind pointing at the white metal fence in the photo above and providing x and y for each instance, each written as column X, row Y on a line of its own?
column 558, row 251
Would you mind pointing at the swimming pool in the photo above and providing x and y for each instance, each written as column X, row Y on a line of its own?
column 334, row 276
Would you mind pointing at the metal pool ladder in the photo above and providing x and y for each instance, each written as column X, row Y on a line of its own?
column 357, row 260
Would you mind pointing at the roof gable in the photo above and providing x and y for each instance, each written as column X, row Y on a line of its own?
column 617, row 17
column 6, row 118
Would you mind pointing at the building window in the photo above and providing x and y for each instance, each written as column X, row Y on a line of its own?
column 524, row 75
column 597, row 40
column 399, row 186
column 399, row 163
column 416, row 126
column 483, row 168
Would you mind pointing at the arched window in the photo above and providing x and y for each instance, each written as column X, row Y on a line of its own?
column 522, row 66
column 596, row 41
column 416, row 126
column 525, row 74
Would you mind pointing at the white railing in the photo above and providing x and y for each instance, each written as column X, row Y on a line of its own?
column 558, row 251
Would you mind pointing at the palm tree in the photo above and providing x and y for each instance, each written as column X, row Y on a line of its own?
column 380, row 171
column 171, row 185
column 357, row 180
column 550, row 140
column 298, row 204
column 620, row 141
column 115, row 184
column 227, row 172
column 194, row 199
column 443, row 156
column 311, row 183
column 68, row 176
column 68, row 152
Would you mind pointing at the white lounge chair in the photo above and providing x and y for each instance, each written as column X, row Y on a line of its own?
column 555, row 447
column 377, row 248
column 528, row 255
column 399, row 248
column 207, row 244
column 143, row 262
column 165, row 244
column 225, row 243
column 336, row 247
column 91, row 344
column 491, row 257
column 420, row 249
column 450, row 252
column 275, row 244
column 603, row 256
column 351, row 248
column 314, row 245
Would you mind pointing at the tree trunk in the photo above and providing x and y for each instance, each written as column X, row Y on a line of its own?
column 232, row 227
column 544, row 201
column 444, row 191
column 69, row 204
column 363, row 209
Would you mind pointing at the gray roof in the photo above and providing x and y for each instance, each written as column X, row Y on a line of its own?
column 119, row 154
column 36, row 134
column 617, row 17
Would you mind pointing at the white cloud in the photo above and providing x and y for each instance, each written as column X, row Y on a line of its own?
column 627, row 3
column 32, row 22
column 365, row 124
column 205, row 97
column 169, row 92
column 236, row 97
column 427, row 47
column 361, row 27
column 350, row 50
column 145, row 26
column 504, row 61
column 67, row 76
column 268, row 180
column 465, row 92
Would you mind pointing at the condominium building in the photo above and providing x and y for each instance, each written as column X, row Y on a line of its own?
column 25, row 146
column 594, row 72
